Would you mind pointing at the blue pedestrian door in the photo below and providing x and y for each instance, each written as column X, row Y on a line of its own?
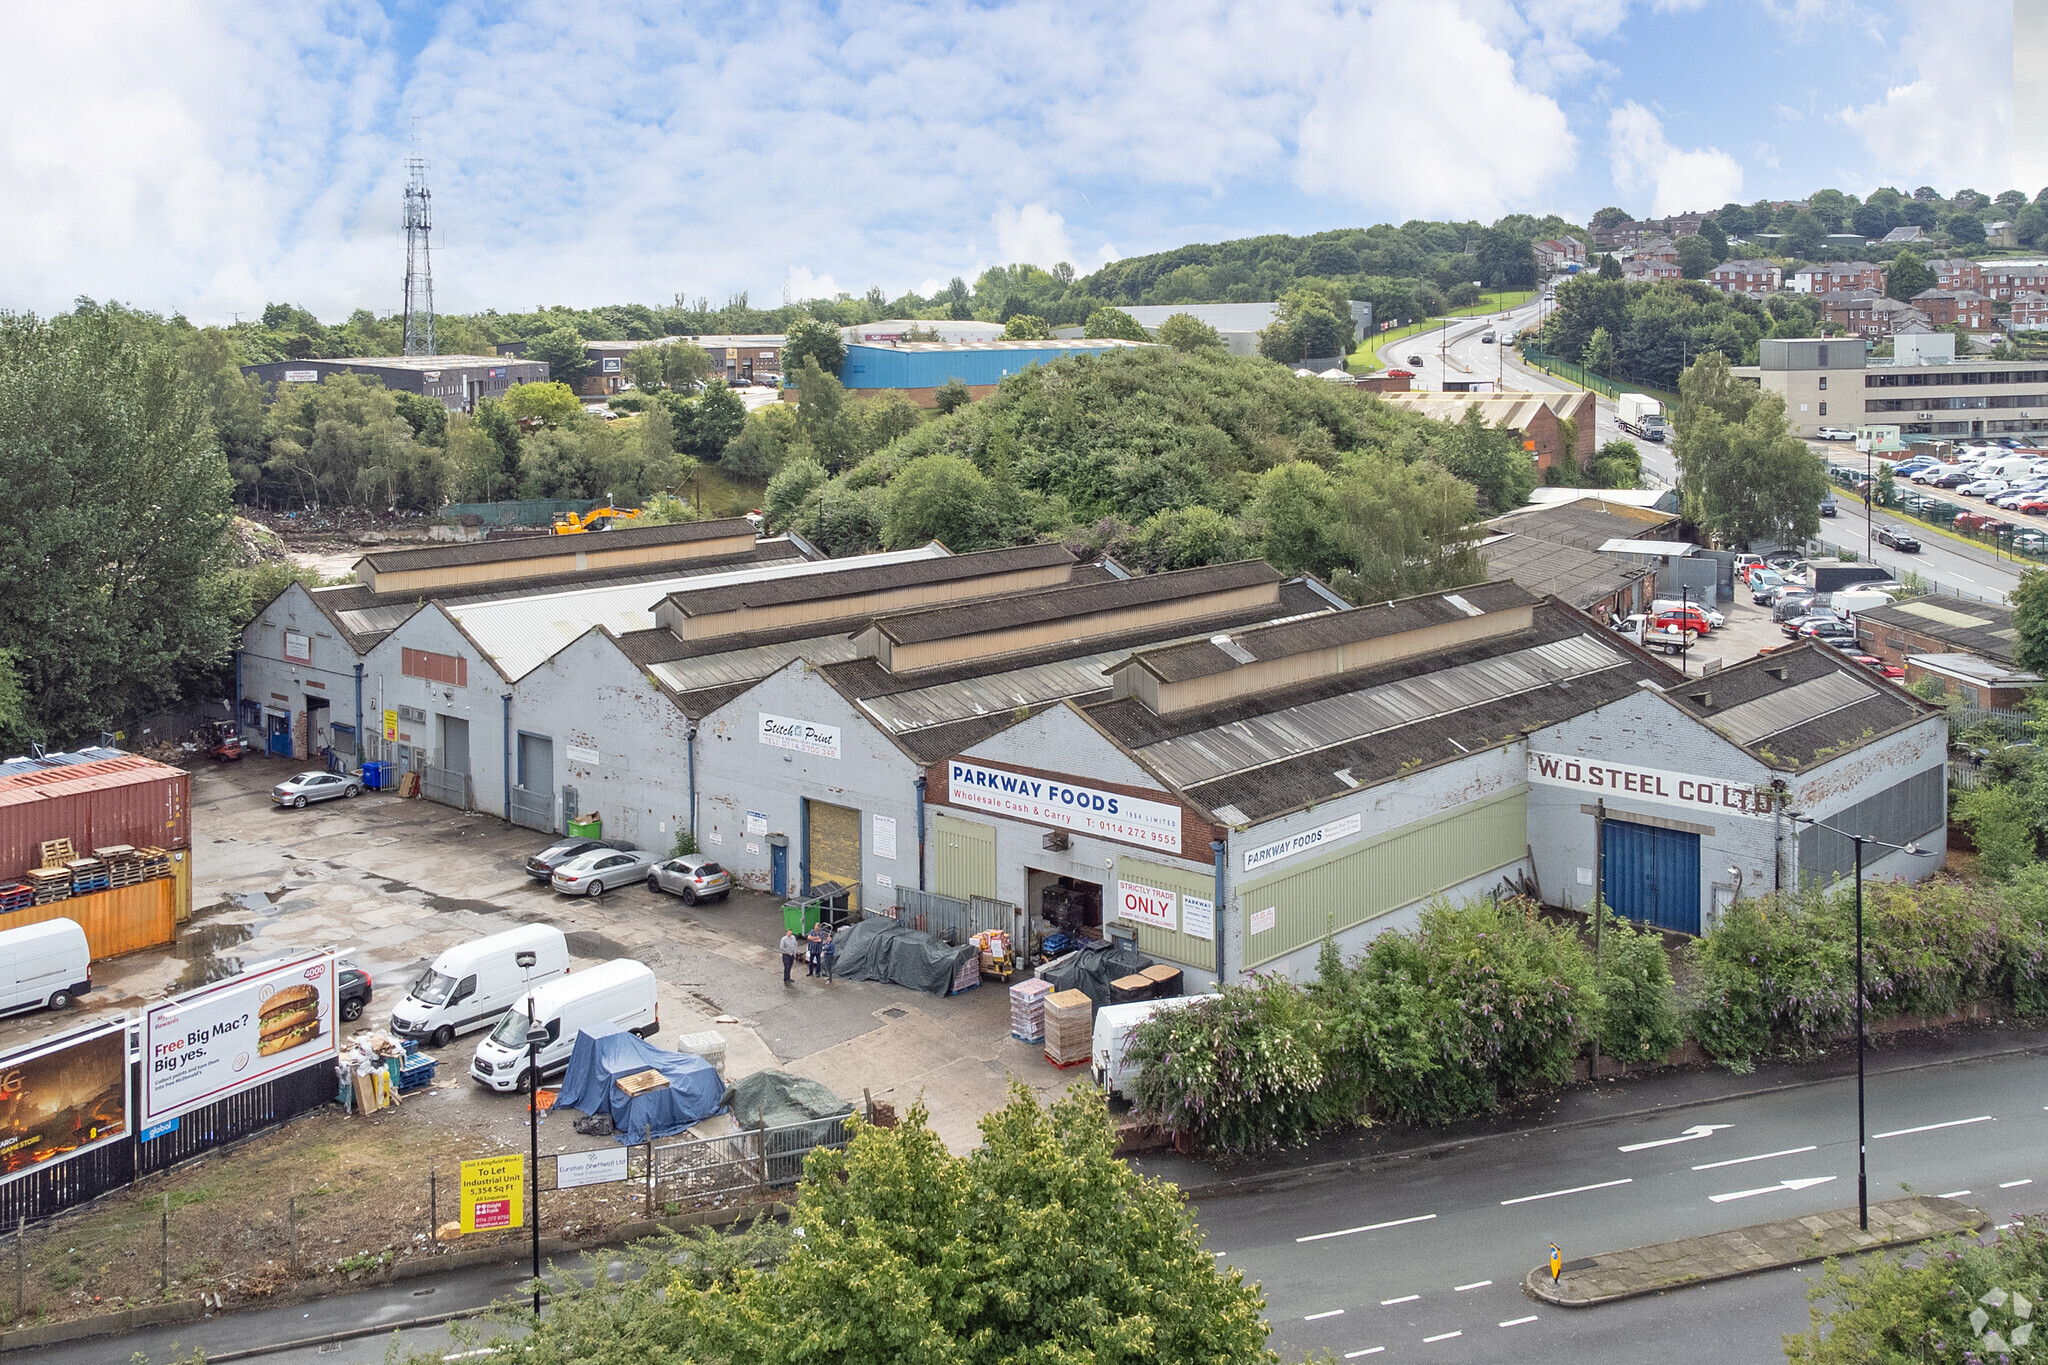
column 778, row 868
column 1653, row 875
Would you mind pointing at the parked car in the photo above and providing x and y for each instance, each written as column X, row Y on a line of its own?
column 1713, row 615
column 2032, row 542
column 354, row 995
column 1954, row 478
column 304, row 788
column 1983, row 488
column 1827, row 631
column 604, row 869
column 1690, row 619
column 694, row 877
column 1828, row 505
column 1879, row 666
column 1812, row 614
column 1790, row 605
column 1762, row 585
column 541, row 866
column 2032, row 505
column 1898, row 540
column 1837, row 434
column 1973, row 521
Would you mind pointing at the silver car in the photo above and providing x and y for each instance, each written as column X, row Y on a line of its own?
column 694, row 877
column 297, row 791
column 601, row 869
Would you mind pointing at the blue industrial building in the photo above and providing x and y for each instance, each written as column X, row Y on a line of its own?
column 919, row 368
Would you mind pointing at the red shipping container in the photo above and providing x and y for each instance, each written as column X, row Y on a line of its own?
column 127, row 800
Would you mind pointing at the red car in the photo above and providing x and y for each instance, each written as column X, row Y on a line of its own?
column 1684, row 618
column 2034, row 506
column 1880, row 667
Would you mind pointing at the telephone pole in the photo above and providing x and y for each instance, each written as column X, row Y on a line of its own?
column 419, row 261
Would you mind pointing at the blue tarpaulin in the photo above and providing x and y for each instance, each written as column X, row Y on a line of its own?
column 606, row 1052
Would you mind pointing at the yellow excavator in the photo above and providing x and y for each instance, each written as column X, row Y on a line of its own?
column 596, row 519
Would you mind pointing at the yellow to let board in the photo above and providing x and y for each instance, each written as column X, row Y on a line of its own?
column 391, row 725
column 493, row 1193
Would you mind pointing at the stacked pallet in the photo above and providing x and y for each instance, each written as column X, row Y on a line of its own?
column 1069, row 1027
column 966, row 976
column 87, row 875
column 124, row 868
column 16, row 896
column 156, row 862
column 50, row 884
column 1027, row 1010
column 56, row 852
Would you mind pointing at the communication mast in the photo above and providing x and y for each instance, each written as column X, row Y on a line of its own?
column 419, row 262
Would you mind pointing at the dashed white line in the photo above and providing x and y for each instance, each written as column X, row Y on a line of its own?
column 1441, row 1336
column 1930, row 1127
column 1368, row 1351
column 1405, row 1298
column 1761, row 1156
column 1317, row 1317
column 1476, row 1284
column 1576, row 1189
column 2014, row 1184
column 1369, row 1227
column 1517, row 1322
column 1952, row 1194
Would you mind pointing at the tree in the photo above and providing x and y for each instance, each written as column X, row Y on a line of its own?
column 1401, row 529
column 1894, row 1307
column 1907, row 276
column 552, row 404
column 943, row 498
column 342, row 442
column 1830, row 207
column 951, row 396
column 762, row 445
column 1490, row 458
column 1113, row 323
column 1026, row 327
column 1610, row 217
column 1696, row 257
column 2030, row 619
column 822, row 421
column 1740, row 470
column 809, row 340
column 1617, row 464
column 1873, row 219
column 1716, row 240
column 1599, row 353
column 1187, row 537
column 1806, row 235
column 1964, row 229
column 679, row 365
column 1295, row 508
column 1610, row 269
column 706, row 424
column 1305, row 327
column 1507, row 260
column 563, row 348
column 1186, row 332
column 787, row 492
column 115, row 595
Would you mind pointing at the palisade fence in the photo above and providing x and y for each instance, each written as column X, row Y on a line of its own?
column 954, row 920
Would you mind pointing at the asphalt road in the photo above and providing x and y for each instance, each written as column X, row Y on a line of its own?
column 1972, row 570
column 1423, row 1260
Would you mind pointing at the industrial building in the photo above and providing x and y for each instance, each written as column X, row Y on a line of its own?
column 1555, row 550
column 1539, row 418
column 918, row 369
column 1238, row 324
column 1224, row 764
column 457, row 380
column 1923, row 390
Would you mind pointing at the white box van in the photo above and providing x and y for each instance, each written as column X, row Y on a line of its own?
column 44, row 964
column 618, row 992
column 472, row 984
column 1112, row 1039
column 2006, row 467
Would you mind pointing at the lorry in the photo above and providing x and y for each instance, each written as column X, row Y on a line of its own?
column 1640, row 415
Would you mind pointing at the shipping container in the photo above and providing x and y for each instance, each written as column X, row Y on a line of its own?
column 126, row 800
column 119, row 921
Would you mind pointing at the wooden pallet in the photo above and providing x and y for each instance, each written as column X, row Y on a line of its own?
column 57, row 852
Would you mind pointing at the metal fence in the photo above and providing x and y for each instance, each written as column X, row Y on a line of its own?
column 535, row 810
column 447, row 787
column 529, row 512
column 731, row 1164
column 1587, row 379
column 954, row 920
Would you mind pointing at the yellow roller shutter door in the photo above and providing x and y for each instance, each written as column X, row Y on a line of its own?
column 834, row 854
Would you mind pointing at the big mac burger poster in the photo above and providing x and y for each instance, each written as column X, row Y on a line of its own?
column 207, row 1045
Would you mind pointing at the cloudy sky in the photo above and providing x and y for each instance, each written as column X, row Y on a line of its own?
column 214, row 155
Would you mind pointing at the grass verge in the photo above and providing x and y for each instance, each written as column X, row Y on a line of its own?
column 1367, row 355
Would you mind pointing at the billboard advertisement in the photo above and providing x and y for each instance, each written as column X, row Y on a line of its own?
column 205, row 1046
column 62, row 1097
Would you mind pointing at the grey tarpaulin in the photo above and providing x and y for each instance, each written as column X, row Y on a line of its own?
column 798, row 1115
column 1092, row 969
column 879, row 949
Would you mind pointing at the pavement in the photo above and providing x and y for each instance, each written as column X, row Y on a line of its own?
column 1613, row 1276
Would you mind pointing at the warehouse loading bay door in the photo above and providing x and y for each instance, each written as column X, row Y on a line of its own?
column 834, row 851
column 1653, row 875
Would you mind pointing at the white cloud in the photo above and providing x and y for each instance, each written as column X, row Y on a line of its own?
column 1033, row 233
column 1949, row 121
column 1678, row 180
column 802, row 285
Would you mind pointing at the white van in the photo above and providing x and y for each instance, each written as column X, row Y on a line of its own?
column 2006, row 467
column 618, row 992
column 1112, row 1039
column 44, row 964
column 472, row 984
column 1854, row 600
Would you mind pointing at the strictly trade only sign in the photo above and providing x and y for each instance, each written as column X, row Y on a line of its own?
column 1691, row 791
column 1068, row 805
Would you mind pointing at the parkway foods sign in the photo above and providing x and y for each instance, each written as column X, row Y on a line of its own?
column 803, row 736
column 1085, row 810
column 1709, row 795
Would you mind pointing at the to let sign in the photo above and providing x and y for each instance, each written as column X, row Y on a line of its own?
column 1693, row 791
column 492, row 1193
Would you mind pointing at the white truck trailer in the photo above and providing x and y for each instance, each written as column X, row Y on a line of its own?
column 1640, row 415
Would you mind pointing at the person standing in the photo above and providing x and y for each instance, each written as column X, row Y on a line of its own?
column 829, row 950
column 789, row 952
column 813, row 951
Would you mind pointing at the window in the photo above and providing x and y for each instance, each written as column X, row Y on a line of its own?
column 441, row 668
column 1823, row 383
column 1823, row 409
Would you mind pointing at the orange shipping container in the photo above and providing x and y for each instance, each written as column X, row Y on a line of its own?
column 119, row 921
column 126, row 800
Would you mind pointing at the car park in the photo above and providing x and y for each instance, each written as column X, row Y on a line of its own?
column 620, row 992
column 603, row 869
column 1898, row 540
column 302, row 789
column 541, row 866
column 1794, row 624
column 1837, row 434
column 693, row 877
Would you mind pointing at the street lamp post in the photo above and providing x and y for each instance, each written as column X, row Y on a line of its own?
column 1862, row 1143
column 536, row 1038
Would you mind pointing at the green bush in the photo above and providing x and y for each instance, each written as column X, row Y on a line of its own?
column 1242, row 1072
column 1638, row 1010
column 1883, row 1308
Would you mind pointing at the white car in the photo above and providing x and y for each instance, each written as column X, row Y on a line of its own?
column 1983, row 488
column 1837, row 434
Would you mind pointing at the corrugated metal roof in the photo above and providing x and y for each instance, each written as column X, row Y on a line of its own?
column 1753, row 720
column 377, row 620
column 522, row 633
column 1222, row 750
column 753, row 664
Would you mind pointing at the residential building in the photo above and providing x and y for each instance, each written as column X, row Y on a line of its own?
column 2030, row 311
column 1867, row 313
column 919, row 369
column 1944, row 307
column 2001, row 233
column 458, row 381
column 1538, row 418
column 1957, row 272
column 1939, row 627
column 1838, row 278
column 1907, row 235
column 1656, row 249
column 1753, row 277
column 1555, row 254
column 2002, row 280
column 1238, row 324
column 1924, row 391
column 1651, row 269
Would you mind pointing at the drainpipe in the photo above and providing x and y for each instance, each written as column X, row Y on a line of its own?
column 359, row 707
column 690, row 737
column 507, row 699
column 1216, row 916
column 803, row 852
column 920, row 835
column 237, row 717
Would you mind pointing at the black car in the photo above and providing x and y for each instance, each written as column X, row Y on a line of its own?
column 541, row 866
column 1898, row 540
column 354, row 996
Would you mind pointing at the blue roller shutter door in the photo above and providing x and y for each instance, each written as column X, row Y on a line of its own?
column 1653, row 875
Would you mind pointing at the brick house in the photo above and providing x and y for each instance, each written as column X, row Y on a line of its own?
column 2003, row 280
column 1832, row 279
column 2030, row 311
column 1867, row 313
column 1651, row 270
column 1657, row 249
column 1947, row 626
column 1754, row 278
column 1957, row 272
column 1538, row 418
column 1555, row 253
column 1946, row 306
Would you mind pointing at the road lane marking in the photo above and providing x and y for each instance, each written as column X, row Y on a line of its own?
column 1476, row 1284
column 1692, row 1134
column 1317, row 1317
column 1807, row 1182
column 1517, row 1322
column 1576, row 1189
column 1368, row 1351
column 1369, row 1227
column 1405, row 1298
column 1763, row 1156
column 1930, row 1127
column 1952, row 1194
column 2014, row 1184
column 1442, row 1336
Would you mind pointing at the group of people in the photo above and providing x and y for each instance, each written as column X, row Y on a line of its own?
column 816, row 948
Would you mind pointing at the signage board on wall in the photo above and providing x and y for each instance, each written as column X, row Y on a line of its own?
column 64, row 1096
column 885, row 837
column 391, row 726
column 1197, row 916
column 213, row 1043
column 757, row 823
column 1688, row 791
column 582, row 753
column 1069, row 805
column 1137, row 903
column 1267, row 854
column 298, row 648
column 302, row 376
column 802, row 736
